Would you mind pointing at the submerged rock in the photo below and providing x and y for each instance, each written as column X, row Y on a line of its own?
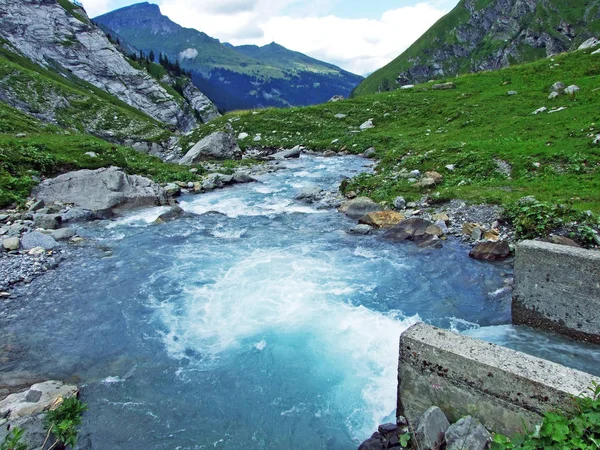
column 174, row 213
column 103, row 191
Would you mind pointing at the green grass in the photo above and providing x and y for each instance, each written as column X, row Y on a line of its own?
column 48, row 150
column 73, row 10
column 551, row 155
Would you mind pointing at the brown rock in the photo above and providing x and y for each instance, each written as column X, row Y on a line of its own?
column 490, row 251
column 382, row 219
column 491, row 235
column 441, row 216
column 435, row 176
column 562, row 240
column 422, row 232
column 468, row 228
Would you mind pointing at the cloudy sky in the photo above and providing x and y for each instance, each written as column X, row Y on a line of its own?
column 358, row 35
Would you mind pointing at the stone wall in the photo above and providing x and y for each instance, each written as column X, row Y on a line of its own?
column 501, row 388
column 557, row 288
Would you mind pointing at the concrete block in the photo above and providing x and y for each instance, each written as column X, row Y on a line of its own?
column 501, row 388
column 557, row 288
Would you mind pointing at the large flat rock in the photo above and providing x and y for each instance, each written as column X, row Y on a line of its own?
column 103, row 191
column 38, row 398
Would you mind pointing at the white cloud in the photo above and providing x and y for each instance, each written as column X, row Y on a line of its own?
column 357, row 45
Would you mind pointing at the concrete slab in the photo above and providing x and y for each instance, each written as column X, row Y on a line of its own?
column 501, row 388
column 557, row 288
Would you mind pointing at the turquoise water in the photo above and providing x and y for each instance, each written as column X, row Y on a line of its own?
column 257, row 324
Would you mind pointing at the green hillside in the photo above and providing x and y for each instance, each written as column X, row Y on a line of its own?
column 482, row 35
column 477, row 127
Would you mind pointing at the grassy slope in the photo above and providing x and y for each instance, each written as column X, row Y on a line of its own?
column 547, row 17
column 88, row 108
column 470, row 127
column 48, row 150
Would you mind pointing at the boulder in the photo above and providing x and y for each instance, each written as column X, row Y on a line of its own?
column 360, row 230
column 590, row 43
column 240, row 177
column 310, row 194
column 430, row 429
column 359, row 207
column 62, row 234
column 490, row 251
column 399, row 203
column 328, row 153
column 467, row 433
column 553, row 95
column 173, row 213
column 37, row 239
column 368, row 124
column 37, row 205
column 559, row 86
column 78, row 215
column 172, row 189
column 290, row 153
column 102, row 191
column 443, row 86
column 571, row 90
column 218, row 145
column 47, row 221
column 382, row 219
column 369, row 153
column 420, row 231
column 36, row 399
column 336, row 98
column 11, row 243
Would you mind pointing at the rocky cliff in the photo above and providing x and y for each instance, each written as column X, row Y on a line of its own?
column 59, row 36
column 480, row 35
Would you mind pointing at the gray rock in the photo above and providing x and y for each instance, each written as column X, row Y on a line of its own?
column 335, row 98
column 310, row 194
column 37, row 205
column 368, row 124
column 476, row 234
column 18, row 405
column 242, row 136
column 467, row 433
column 47, row 221
column 375, row 442
column 174, row 213
column 415, row 173
column 291, row 153
column 443, row 86
column 33, row 426
column 36, row 239
column 340, row 116
column 11, row 244
column 399, row 203
column 370, row 152
column 240, row 177
column 430, row 429
column 571, row 90
column 553, row 95
column 590, row 43
column 78, row 215
column 199, row 102
column 63, row 234
column 103, row 191
column 218, row 145
column 360, row 229
column 559, row 86
column 420, row 231
column 329, row 153
column 172, row 190
column 359, row 207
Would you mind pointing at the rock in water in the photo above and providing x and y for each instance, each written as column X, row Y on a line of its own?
column 218, row 145
column 467, row 433
column 420, row 231
column 37, row 239
column 360, row 229
column 174, row 213
column 382, row 219
column 290, row 153
column 491, row 251
column 103, row 191
column 430, row 429
column 359, row 207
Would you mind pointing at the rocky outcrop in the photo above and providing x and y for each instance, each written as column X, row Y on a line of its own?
column 104, row 191
column 477, row 36
column 218, row 145
column 36, row 399
column 66, row 41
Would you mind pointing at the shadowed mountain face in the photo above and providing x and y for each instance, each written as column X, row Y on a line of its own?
column 480, row 35
column 233, row 77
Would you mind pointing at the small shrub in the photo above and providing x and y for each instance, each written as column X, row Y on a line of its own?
column 12, row 441
column 63, row 422
column 561, row 432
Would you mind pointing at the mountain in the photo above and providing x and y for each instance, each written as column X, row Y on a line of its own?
column 233, row 77
column 57, row 35
column 479, row 35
